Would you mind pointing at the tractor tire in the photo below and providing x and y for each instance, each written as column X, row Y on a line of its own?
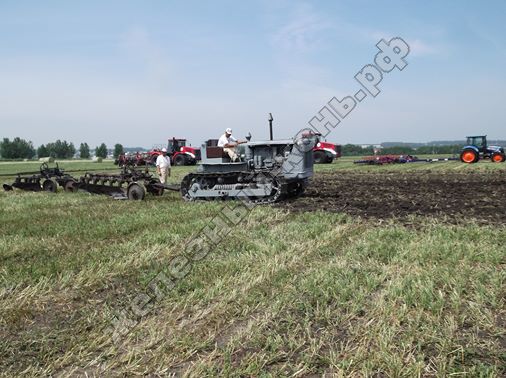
column 330, row 158
column 497, row 157
column 49, row 186
column 469, row 156
column 136, row 192
column 319, row 157
column 180, row 160
column 69, row 186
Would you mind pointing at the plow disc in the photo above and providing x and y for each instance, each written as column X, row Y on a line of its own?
column 131, row 184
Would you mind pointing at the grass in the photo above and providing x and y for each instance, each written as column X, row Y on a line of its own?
column 70, row 166
column 285, row 295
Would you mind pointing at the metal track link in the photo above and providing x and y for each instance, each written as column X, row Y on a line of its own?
column 279, row 194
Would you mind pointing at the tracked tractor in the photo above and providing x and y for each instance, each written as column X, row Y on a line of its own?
column 477, row 148
column 268, row 171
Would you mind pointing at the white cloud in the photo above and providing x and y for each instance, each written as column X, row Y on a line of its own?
column 303, row 32
column 418, row 47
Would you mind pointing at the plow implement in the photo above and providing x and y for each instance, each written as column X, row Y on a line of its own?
column 399, row 159
column 130, row 184
column 47, row 179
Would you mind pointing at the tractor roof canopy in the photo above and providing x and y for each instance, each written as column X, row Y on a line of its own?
column 480, row 140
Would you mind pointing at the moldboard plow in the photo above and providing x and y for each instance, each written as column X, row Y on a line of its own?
column 131, row 183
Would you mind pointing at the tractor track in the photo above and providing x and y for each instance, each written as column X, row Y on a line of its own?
column 454, row 197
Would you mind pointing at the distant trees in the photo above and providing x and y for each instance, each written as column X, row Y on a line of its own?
column 101, row 151
column 16, row 149
column 42, row 151
column 398, row 150
column 443, row 150
column 356, row 150
column 118, row 150
column 84, row 151
column 59, row 149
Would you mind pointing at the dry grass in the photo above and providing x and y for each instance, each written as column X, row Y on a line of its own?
column 286, row 295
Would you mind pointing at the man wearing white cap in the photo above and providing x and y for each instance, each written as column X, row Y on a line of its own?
column 229, row 144
column 163, row 166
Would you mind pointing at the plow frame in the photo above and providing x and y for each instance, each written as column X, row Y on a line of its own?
column 130, row 183
column 47, row 179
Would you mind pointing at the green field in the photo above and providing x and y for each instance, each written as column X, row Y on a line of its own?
column 284, row 294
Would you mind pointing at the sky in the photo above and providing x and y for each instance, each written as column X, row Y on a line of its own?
column 140, row 72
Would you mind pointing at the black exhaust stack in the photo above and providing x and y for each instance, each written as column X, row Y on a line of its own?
column 270, row 125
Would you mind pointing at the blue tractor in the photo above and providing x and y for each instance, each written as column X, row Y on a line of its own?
column 477, row 148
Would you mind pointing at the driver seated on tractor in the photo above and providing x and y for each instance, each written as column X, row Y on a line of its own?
column 229, row 144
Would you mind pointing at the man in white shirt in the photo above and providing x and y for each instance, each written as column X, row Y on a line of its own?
column 163, row 166
column 229, row 144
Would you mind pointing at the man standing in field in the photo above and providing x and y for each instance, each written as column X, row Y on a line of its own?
column 229, row 144
column 163, row 166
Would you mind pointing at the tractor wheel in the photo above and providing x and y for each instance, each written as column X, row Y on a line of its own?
column 319, row 157
column 330, row 158
column 69, row 186
column 180, row 160
column 49, row 186
column 136, row 192
column 469, row 156
column 497, row 157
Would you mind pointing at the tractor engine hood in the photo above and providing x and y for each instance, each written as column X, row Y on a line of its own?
column 496, row 148
column 329, row 147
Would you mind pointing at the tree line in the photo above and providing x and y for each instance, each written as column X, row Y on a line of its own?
column 356, row 150
column 19, row 148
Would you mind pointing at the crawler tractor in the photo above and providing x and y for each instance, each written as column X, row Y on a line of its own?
column 268, row 171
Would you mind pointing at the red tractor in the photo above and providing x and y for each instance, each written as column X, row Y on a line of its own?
column 326, row 153
column 137, row 159
column 179, row 152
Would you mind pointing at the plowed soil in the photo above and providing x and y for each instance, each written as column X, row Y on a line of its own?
column 456, row 197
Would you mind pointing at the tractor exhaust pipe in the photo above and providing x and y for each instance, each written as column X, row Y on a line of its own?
column 270, row 125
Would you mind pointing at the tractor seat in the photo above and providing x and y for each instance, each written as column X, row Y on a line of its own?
column 216, row 153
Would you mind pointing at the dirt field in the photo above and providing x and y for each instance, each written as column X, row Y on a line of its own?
column 454, row 196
